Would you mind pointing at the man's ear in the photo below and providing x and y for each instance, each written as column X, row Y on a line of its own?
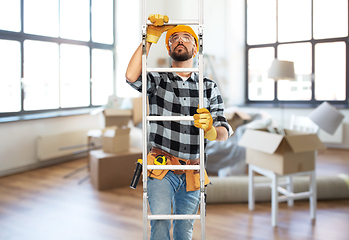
column 195, row 50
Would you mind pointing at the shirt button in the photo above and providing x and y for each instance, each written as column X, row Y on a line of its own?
column 185, row 99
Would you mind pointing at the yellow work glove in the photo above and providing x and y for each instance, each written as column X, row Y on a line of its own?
column 204, row 120
column 154, row 31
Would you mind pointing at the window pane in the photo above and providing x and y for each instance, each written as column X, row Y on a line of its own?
column 260, row 87
column 41, row 17
column 102, row 76
column 261, row 21
column 300, row 89
column 294, row 18
column 10, row 15
column 102, row 21
column 10, row 76
column 41, row 73
column 330, row 67
column 75, row 14
column 330, row 18
column 75, row 76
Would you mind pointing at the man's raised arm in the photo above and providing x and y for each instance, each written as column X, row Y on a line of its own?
column 134, row 68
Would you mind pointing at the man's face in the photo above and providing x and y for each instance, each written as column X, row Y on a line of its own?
column 182, row 46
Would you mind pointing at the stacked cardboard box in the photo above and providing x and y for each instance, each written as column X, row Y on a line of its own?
column 112, row 170
column 113, row 166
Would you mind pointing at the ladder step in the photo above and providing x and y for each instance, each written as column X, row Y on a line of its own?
column 162, row 217
column 173, row 167
column 170, row 118
column 172, row 69
column 179, row 22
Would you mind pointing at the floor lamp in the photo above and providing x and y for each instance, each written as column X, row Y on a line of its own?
column 281, row 70
column 327, row 117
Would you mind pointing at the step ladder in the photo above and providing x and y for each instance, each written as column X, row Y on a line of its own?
column 146, row 119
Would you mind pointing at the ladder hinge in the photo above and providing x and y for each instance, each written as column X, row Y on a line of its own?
column 201, row 39
column 144, row 37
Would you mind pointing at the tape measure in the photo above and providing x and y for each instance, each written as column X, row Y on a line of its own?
column 160, row 160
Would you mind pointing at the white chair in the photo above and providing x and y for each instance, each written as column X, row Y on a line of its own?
column 298, row 123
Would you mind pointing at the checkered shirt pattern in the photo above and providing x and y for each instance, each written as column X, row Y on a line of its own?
column 169, row 95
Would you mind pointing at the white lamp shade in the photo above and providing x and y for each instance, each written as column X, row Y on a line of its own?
column 327, row 117
column 281, row 70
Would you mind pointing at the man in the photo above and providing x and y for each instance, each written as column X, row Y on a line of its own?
column 176, row 94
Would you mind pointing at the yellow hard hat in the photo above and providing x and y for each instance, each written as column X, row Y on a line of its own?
column 181, row 28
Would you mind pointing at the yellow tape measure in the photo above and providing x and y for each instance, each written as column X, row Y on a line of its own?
column 160, row 160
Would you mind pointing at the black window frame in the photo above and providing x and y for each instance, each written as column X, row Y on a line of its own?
column 21, row 36
column 295, row 103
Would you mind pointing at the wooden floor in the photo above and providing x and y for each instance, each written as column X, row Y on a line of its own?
column 43, row 205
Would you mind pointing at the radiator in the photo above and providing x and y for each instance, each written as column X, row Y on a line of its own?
column 62, row 145
column 337, row 137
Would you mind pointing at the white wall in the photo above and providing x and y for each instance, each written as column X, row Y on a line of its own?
column 18, row 139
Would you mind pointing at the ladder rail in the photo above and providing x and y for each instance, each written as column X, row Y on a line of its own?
column 146, row 118
column 201, row 105
column 144, row 121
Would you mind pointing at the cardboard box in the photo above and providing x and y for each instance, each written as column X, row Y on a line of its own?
column 137, row 111
column 117, row 117
column 112, row 170
column 236, row 119
column 116, row 139
column 294, row 152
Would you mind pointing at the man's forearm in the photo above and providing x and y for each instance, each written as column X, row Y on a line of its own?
column 222, row 134
column 134, row 68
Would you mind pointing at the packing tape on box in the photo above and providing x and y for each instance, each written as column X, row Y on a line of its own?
column 234, row 189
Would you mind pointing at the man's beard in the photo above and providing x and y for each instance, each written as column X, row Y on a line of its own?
column 182, row 55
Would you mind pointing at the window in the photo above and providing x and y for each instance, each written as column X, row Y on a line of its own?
column 311, row 33
column 56, row 56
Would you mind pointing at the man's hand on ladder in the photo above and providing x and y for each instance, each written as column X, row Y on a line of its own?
column 154, row 31
column 204, row 120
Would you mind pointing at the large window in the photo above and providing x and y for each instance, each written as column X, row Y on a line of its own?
column 311, row 33
column 55, row 54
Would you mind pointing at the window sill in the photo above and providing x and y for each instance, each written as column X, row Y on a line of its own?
column 53, row 114
column 290, row 105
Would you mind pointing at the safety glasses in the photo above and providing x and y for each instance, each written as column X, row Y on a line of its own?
column 185, row 38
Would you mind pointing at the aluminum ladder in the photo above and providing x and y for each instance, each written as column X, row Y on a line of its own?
column 146, row 118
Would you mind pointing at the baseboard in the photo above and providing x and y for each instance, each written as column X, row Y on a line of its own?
column 336, row 146
column 43, row 164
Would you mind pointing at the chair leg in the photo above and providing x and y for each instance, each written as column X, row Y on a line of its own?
column 290, row 202
column 313, row 197
column 251, row 195
column 274, row 201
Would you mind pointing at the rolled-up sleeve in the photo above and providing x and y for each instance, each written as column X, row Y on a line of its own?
column 151, row 82
column 217, row 110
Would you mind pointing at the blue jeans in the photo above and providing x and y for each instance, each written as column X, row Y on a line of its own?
column 161, row 193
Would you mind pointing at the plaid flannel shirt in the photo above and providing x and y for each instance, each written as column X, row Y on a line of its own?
column 169, row 95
